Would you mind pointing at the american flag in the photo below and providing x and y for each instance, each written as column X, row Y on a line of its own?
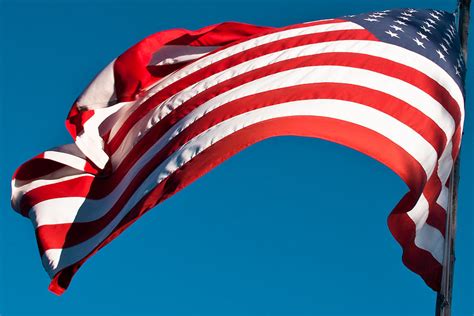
column 388, row 84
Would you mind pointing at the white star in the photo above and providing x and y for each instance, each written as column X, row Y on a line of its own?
column 427, row 30
column 380, row 13
column 431, row 21
column 418, row 42
column 447, row 42
column 450, row 37
column 392, row 34
column 435, row 16
column 404, row 18
column 457, row 71
column 445, row 49
column 396, row 28
column 412, row 10
column 428, row 24
column 399, row 22
column 422, row 35
column 375, row 16
column 371, row 20
column 406, row 14
column 441, row 55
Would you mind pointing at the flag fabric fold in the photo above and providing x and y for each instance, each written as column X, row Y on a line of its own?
column 388, row 84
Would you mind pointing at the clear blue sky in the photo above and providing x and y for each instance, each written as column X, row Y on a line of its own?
column 276, row 235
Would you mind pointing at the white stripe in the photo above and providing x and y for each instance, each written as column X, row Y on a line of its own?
column 65, row 158
column 90, row 140
column 100, row 91
column 51, row 261
column 323, row 20
column 446, row 163
column 61, row 207
column 420, row 212
column 173, row 54
column 359, row 114
column 431, row 240
column 443, row 197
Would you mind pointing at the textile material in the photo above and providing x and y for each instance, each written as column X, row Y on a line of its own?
column 388, row 84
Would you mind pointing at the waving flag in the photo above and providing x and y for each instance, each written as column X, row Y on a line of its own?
column 388, row 84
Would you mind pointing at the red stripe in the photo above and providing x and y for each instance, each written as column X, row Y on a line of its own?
column 35, row 168
column 76, row 119
column 436, row 215
column 456, row 142
column 351, row 135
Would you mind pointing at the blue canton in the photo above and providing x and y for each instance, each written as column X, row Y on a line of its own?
column 431, row 33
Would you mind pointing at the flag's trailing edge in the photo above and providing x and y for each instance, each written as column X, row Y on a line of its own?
column 178, row 103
